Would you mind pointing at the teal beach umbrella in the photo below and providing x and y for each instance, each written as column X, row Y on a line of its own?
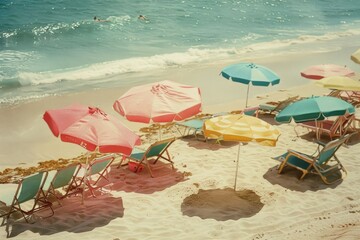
column 314, row 109
column 250, row 73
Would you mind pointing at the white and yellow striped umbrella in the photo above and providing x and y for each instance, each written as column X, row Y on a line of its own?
column 241, row 128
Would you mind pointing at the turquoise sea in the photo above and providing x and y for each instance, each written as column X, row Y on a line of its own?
column 55, row 47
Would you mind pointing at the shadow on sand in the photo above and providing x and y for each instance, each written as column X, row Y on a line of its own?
column 222, row 204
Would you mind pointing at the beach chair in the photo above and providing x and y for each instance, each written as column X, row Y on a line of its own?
column 276, row 107
column 26, row 197
column 63, row 179
column 191, row 127
column 333, row 128
column 323, row 162
column 150, row 156
column 91, row 174
column 352, row 97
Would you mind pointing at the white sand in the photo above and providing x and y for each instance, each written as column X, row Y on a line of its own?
column 195, row 201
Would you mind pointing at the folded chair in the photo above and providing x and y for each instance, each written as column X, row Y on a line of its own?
column 91, row 174
column 155, row 152
column 26, row 197
column 323, row 162
column 63, row 179
column 333, row 128
column 276, row 107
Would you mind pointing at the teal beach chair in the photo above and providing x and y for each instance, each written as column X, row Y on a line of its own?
column 64, row 179
column 95, row 171
column 28, row 190
column 323, row 162
column 155, row 152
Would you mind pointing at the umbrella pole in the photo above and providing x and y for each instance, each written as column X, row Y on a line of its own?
column 85, row 177
column 247, row 96
column 160, row 131
column 237, row 166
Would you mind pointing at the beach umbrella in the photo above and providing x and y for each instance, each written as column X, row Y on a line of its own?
column 339, row 83
column 92, row 129
column 250, row 73
column 356, row 56
column 159, row 102
column 314, row 109
column 241, row 128
column 317, row 72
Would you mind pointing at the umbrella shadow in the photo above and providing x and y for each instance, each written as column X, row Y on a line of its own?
column 210, row 144
column 269, row 118
column 222, row 204
column 289, row 179
column 73, row 217
column 123, row 179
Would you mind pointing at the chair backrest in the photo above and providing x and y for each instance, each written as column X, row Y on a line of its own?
column 99, row 164
column 341, row 124
column 30, row 186
column 283, row 104
column 250, row 111
column 158, row 147
column 64, row 176
column 330, row 148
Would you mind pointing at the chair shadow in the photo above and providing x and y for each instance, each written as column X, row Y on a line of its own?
column 311, row 136
column 123, row 179
column 222, row 204
column 94, row 213
column 289, row 179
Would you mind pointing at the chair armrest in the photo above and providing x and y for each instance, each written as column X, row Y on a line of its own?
column 320, row 143
column 302, row 156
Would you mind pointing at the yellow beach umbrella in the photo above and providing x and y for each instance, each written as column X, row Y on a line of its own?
column 241, row 128
column 356, row 56
column 339, row 83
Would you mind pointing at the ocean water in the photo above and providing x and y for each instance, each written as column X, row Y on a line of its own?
column 55, row 47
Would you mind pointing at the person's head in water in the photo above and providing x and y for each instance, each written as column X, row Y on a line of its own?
column 142, row 17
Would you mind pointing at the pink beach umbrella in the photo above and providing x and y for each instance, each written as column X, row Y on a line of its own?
column 317, row 72
column 92, row 129
column 159, row 102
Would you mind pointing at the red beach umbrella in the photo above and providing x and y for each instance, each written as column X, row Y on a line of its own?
column 92, row 129
column 159, row 102
column 317, row 72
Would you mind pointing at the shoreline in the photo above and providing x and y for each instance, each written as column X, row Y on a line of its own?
column 25, row 129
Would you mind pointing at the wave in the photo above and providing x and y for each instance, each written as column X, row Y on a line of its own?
column 193, row 55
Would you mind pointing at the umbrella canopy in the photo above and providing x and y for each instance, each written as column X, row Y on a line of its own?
column 241, row 128
column 159, row 102
column 314, row 108
column 92, row 129
column 356, row 56
column 317, row 72
column 250, row 73
column 339, row 83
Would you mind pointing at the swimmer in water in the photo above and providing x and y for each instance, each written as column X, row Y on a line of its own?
column 142, row 17
column 100, row 20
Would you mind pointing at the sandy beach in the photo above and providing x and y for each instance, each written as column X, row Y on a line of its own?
column 196, row 200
